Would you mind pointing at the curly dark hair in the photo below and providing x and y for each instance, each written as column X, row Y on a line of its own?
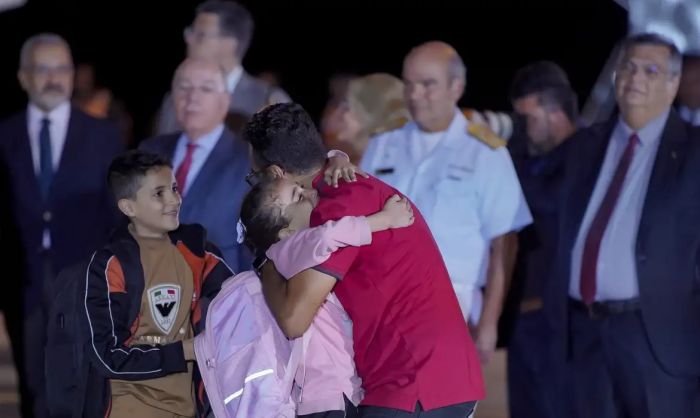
column 285, row 135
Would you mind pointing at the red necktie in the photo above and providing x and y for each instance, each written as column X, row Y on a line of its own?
column 184, row 168
column 589, row 261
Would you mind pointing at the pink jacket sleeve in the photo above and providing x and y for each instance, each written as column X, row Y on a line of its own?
column 311, row 247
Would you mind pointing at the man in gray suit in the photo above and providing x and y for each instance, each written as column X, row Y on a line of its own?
column 222, row 32
column 209, row 161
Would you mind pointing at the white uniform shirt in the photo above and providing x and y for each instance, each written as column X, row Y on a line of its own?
column 467, row 192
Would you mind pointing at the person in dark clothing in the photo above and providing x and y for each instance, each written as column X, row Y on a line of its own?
column 542, row 97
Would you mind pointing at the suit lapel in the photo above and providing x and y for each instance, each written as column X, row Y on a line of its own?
column 72, row 154
column 667, row 164
column 169, row 145
column 22, row 160
column 586, row 161
column 215, row 164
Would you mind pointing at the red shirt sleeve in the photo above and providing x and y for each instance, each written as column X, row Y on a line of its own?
column 349, row 199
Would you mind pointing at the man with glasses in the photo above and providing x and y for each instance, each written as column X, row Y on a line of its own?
column 57, row 207
column 628, row 263
column 222, row 32
column 210, row 161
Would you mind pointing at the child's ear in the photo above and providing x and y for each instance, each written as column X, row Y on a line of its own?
column 126, row 206
column 284, row 233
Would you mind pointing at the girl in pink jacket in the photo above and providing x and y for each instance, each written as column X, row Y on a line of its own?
column 327, row 385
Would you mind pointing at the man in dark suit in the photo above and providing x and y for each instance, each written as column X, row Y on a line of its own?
column 210, row 163
column 628, row 269
column 53, row 162
column 222, row 32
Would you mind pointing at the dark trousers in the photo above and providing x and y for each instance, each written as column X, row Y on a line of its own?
column 348, row 413
column 14, row 322
column 25, row 316
column 616, row 374
column 351, row 411
column 34, row 341
column 27, row 333
column 462, row 410
column 538, row 373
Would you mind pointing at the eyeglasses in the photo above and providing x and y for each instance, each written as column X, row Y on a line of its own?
column 650, row 71
column 197, row 35
column 253, row 177
column 205, row 89
column 43, row 70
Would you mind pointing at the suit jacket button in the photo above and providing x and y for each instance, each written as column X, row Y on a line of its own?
column 47, row 216
column 641, row 258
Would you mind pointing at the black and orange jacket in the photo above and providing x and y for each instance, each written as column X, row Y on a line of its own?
column 113, row 294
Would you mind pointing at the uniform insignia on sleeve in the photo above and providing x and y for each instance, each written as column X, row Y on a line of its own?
column 384, row 171
column 484, row 134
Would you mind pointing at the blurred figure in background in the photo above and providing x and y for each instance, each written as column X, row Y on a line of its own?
column 99, row 101
column 331, row 117
column 270, row 77
column 373, row 104
column 222, row 32
column 53, row 176
column 688, row 99
column 541, row 95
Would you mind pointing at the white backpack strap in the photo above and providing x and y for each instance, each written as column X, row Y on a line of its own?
column 304, row 349
column 299, row 348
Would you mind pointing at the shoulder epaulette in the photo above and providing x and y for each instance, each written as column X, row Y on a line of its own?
column 484, row 134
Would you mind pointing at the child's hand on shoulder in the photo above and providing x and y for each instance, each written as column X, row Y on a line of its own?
column 398, row 212
column 341, row 167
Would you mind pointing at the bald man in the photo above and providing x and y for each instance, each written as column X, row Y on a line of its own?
column 210, row 162
column 461, row 178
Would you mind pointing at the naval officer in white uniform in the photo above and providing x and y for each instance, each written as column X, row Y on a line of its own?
column 461, row 178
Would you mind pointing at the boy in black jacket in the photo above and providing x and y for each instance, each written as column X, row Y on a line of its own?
column 145, row 306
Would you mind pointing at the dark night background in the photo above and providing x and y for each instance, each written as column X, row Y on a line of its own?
column 136, row 45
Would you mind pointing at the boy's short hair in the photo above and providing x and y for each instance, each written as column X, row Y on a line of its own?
column 261, row 218
column 128, row 169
